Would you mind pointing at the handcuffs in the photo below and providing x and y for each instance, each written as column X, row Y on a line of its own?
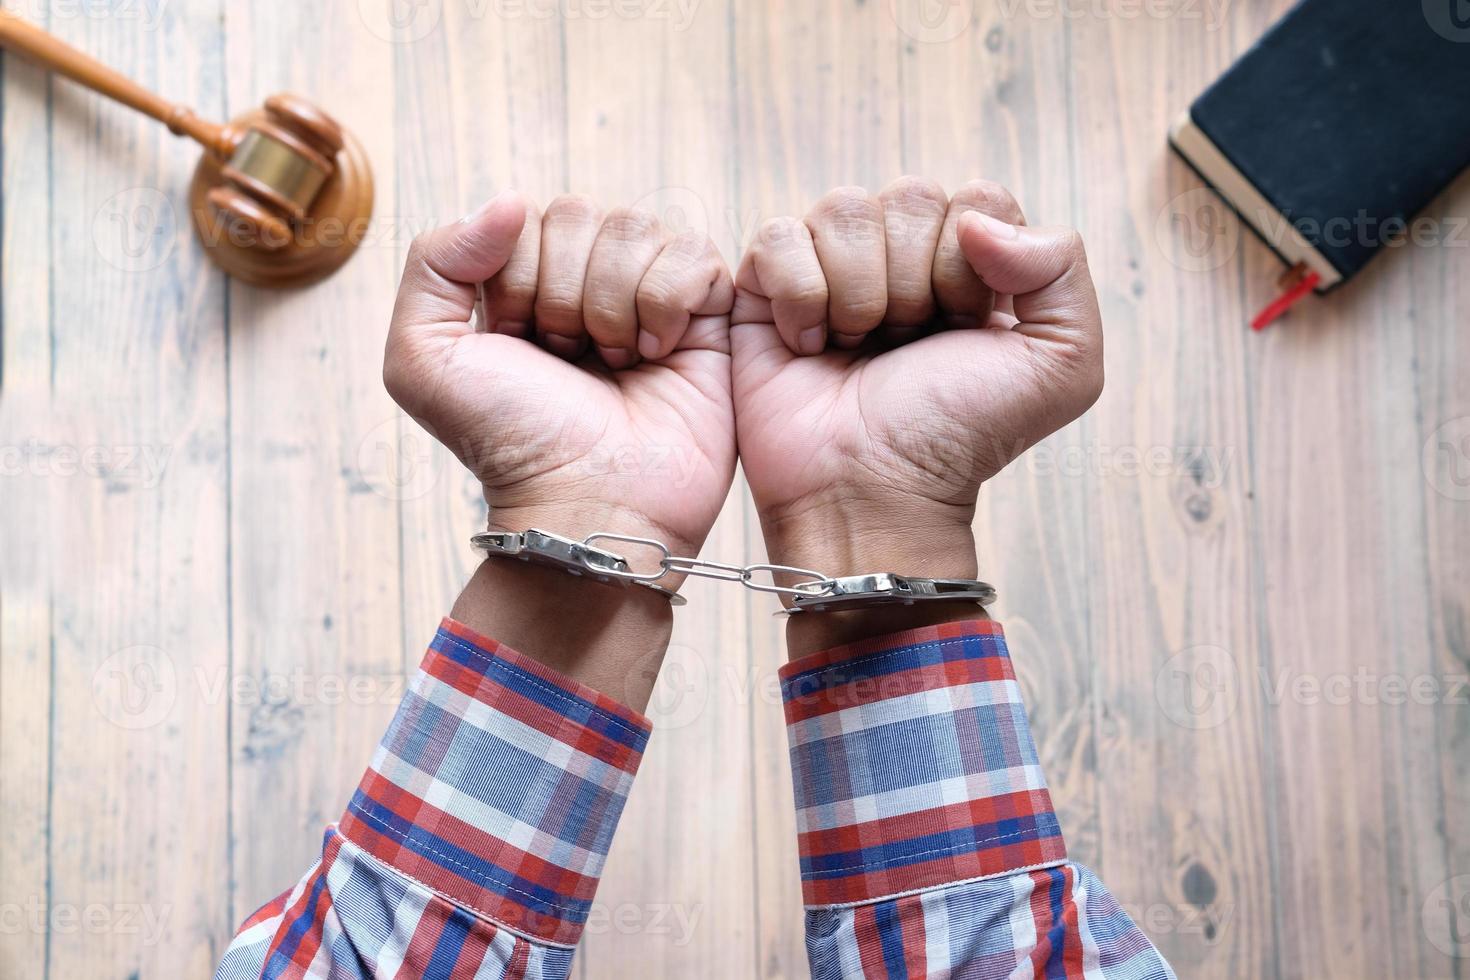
column 817, row 593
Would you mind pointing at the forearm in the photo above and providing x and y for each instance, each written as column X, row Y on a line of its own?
column 474, row 842
column 929, row 844
column 611, row 637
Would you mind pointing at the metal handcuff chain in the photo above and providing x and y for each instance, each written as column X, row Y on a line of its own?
column 813, row 592
column 670, row 564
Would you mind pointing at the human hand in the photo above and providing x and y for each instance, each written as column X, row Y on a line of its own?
column 892, row 353
column 596, row 399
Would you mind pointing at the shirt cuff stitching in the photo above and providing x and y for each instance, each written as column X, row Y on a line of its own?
column 941, row 886
column 497, row 923
column 479, row 876
column 907, row 858
column 872, row 658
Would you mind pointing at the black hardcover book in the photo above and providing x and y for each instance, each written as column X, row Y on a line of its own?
column 1338, row 127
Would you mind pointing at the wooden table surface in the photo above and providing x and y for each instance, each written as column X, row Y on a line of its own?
column 1236, row 590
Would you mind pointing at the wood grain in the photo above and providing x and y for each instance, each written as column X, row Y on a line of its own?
column 120, row 521
column 1240, row 524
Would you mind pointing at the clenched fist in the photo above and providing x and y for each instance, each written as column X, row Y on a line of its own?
column 597, row 396
column 891, row 353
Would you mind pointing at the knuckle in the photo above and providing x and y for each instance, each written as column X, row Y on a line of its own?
column 988, row 196
column 688, row 253
column 658, row 294
column 916, row 195
column 572, row 207
column 849, row 215
column 780, row 232
column 910, row 306
column 601, row 314
column 558, row 304
column 689, row 244
column 630, row 224
column 808, row 290
column 847, row 195
column 518, row 293
column 847, row 205
column 867, row 308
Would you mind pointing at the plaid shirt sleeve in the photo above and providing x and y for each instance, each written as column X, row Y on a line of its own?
column 928, row 842
column 473, row 845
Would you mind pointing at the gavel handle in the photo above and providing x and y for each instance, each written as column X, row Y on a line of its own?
column 25, row 38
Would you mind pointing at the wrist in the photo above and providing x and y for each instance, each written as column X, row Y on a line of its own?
column 611, row 637
column 851, row 538
column 578, row 519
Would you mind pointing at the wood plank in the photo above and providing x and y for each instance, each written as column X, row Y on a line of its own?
column 1342, row 504
column 819, row 107
column 649, row 100
column 1184, row 826
column 987, row 96
column 137, row 534
column 25, row 565
column 1439, row 308
column 461, row 150
column 315, row 580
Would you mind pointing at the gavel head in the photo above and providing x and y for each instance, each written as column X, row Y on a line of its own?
column 277, row 167
column 285, row 195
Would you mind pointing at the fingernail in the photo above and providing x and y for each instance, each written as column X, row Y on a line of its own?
column 812, row 340
column 617, row 358
column 568, row 347
column 846, row 341
column 482, row 208
column 994, row 227
column 648, row 345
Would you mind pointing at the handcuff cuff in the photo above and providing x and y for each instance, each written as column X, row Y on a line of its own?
column 817, row 593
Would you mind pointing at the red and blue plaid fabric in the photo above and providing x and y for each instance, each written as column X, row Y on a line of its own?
column 928, row 842
column 473, row 845
column 929, row 848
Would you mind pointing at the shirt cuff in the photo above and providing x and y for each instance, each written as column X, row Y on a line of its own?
column 914, row 766
column 499, row 785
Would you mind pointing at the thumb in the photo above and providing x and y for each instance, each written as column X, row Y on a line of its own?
column 1045, row 270
column 436, row 296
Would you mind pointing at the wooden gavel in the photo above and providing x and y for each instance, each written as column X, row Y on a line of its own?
column 283, row 195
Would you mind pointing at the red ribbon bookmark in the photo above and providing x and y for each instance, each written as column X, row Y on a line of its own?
column 1278, row 307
